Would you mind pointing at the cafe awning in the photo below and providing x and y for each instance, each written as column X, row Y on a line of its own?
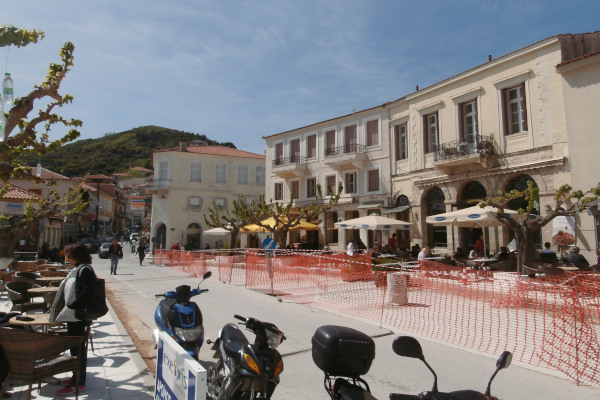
column 397, row 209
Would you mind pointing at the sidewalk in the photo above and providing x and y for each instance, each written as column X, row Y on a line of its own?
column 115, row 370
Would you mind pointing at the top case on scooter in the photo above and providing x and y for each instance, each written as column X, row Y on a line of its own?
column 342, row 351
column 233, row 340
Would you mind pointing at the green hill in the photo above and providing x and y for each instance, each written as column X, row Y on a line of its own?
column 115, row 152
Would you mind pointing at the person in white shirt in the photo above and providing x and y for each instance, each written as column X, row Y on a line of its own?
column 351, row 248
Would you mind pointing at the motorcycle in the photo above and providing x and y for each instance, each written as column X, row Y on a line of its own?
column 243, row 370
column 344, row 354
column 181, row 318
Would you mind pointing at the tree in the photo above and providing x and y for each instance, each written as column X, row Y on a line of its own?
column 21, row 138
column 285, row 216
column 568, row 202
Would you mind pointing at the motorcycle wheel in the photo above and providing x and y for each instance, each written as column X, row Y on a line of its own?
column 216, row 378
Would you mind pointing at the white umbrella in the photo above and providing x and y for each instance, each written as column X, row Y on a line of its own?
column 373, row 222
column 216, row 231
column 471, row 217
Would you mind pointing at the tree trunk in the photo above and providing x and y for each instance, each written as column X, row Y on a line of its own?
column 8, row 243
column 525, row 247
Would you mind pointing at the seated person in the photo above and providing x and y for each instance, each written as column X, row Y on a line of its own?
column 414, row 251
column 503, row 255
column 459, row 254
column 472, row 254
column 576, row 259
column 424, row 253
column 403, row 253
column 509, row 264
column 387, row 252
column 375, row 252
column 548, row 255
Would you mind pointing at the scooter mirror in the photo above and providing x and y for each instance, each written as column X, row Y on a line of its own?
column 208, row 274
column 504, row 360
column 407, row 346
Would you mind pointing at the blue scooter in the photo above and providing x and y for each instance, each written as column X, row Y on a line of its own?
column 181, row 318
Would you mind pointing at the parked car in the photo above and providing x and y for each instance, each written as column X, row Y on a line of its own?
column 103, row 253
column 90, row 243
column 134, row 236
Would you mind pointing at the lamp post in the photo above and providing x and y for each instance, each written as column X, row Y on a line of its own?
column 97, row 209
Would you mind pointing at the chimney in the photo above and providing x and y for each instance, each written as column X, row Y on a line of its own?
column 183, row 146
column 489, row 57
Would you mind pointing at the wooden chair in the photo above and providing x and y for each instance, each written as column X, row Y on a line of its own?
column 27, row 266
column 21, row 299
column 41, row 261
column 6, row 277
column 33, row 356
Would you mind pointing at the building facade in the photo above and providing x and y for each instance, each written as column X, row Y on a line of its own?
column 353, row 150
column 192, row 178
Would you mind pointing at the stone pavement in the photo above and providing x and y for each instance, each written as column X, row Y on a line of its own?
column 115, row 369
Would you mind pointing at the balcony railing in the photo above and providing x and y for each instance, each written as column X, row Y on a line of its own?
column 347, row 149
column 463, row 148
column 296, row 159
column 160, row 183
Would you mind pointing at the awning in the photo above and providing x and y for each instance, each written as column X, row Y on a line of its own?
column 397, row 209
column 371, row 205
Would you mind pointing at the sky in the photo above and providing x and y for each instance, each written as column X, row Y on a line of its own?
column 240, row 70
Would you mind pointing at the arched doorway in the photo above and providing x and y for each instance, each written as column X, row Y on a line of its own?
column 520, row 183
column 159, row 241
column 402, row 203
column 193, row 236
column 436, row 234
column 472, row 191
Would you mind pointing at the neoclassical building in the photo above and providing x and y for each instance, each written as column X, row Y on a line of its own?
column 192, row 178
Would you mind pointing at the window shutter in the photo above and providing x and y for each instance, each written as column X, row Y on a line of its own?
column 504, row 100
column 524, row 107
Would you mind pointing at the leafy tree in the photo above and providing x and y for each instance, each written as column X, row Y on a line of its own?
column 568, row 202
column 285, row 216
column 22, row 138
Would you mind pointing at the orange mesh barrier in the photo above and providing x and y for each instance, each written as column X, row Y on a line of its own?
column 550, row 321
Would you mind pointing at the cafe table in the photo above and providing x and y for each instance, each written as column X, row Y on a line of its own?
column 48, row 293
column 49, row 280
column 33, row 320
column 482, row 261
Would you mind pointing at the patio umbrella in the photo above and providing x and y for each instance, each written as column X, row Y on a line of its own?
column 373, row 222
column 471, row 217
column 302, row 226
column 216, row 231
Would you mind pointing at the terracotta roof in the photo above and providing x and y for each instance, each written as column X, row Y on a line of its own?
column 216, row 151
column 17, row 193
column 575, row 47
column 47, row 174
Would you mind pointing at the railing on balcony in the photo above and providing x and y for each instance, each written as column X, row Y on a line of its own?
column 296, row 159
column 160, row 183
column 347, row 149
column 464, row 148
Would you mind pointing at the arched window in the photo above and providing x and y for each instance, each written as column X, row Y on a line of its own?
column 436, row 234
column 402, row 200
column 473, row 191
column 193, row 237
column 520, row 183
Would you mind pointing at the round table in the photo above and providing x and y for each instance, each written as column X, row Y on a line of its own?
column 34, row 320
column 49, row 280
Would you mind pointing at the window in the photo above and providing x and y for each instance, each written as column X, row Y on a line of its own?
column 278, row 191
column 295, row 189
column 400, row 142
column 260, row 176
column 350, row 140
column 515, row 113
column 295, row 150
column 221, row 203
column 350, row 182
column 278, row 154
column 331, row 185
column 163, row 173
column 220, row 173
column 329, row 143
column 373, row 180
column 373, row 133
column 311, row 187
column 431, row 132
column 468, row 121
column 311, row 146
column 195, row 201
column 196, row 172
column 242, row 174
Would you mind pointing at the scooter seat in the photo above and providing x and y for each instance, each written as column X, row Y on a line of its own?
column 233, row 339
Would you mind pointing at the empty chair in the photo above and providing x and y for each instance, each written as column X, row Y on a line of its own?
column 25, row 276
column 33, row 356
column 27, row 266
column 21, row 299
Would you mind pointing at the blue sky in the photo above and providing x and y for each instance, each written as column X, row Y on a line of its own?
column 239, row 70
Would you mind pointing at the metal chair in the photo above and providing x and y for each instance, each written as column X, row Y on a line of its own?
column 33, row 356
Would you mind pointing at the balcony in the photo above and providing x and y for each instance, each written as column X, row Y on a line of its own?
column 289, row 167
column 464, row 156
column 158, row 186
column 349, row 156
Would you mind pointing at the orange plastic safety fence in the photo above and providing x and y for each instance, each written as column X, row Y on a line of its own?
column 550, row 321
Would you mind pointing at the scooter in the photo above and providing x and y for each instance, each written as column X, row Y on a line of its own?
column 243, row 370
column 181, row 318
column 344, row 354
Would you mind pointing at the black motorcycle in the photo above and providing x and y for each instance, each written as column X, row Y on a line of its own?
column 344, row 354
column 245, row 371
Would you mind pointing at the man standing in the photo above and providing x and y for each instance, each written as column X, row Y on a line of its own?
column 115, row 251
column 393, row 243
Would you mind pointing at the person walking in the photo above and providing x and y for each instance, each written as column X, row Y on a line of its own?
column 115, row 251
column 75, row 296
column 141, row 251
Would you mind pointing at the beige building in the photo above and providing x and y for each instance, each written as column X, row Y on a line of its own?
column 353, row 150
column 192, row 178
column 523, row 117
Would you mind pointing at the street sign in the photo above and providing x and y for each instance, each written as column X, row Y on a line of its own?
column 269, row 243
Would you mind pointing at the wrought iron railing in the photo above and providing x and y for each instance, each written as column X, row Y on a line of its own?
column 465, row 148
column 296, row 159
column 347, row 149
